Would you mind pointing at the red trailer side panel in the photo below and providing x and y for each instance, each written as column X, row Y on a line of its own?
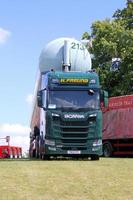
column 118, row 118
column 121, row 102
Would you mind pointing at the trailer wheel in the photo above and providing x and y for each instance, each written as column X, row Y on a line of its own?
column 107, row 150
column 94, row 157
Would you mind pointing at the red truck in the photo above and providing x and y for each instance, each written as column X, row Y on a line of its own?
column 118, row 126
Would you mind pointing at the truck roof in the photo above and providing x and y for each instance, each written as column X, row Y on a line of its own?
column 79, row 74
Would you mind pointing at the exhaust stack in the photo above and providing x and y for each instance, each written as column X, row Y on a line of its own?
column 66, row 62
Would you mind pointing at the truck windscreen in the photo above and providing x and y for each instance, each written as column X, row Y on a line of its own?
column 73, row 99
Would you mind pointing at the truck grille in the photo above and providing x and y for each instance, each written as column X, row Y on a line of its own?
column 74, row 141
column 74, row 123
column 69, row 130
column 74, row 134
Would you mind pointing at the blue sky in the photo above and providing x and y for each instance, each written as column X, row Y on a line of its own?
column 25, row 28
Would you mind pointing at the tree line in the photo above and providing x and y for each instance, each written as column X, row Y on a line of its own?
column 112, row 50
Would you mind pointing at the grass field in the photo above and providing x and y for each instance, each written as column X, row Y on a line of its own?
column 107, row 179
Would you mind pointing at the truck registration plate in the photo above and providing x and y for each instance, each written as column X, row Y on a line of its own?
column 73, row 152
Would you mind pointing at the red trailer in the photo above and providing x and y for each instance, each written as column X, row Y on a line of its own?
column 10, row 152
column 118, row 126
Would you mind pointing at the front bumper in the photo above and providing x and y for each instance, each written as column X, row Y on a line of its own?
column 70, row 150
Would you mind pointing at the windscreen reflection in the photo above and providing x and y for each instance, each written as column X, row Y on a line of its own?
column 74, row 99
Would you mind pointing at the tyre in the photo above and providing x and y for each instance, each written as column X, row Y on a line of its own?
column 107, row 150
column 46, row 157
column 33, row 154
column 94, row 157
column 37, row 153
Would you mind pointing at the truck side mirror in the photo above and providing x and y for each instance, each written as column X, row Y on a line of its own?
column 105, row 98
column 39, row 99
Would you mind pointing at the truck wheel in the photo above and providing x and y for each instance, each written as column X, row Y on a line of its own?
column 46, row 157
column 107, row 150
column 33, row 154
column 94, row 157
column 37, row 154
column 41, row 156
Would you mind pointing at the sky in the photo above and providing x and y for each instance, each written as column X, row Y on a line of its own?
column 25, row 28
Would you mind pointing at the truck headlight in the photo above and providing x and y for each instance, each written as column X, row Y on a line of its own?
column 97, row 143
column 50, row 142
column 92, row 118
column 93, row 115
column 55, row 115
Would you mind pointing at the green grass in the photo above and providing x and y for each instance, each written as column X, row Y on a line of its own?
column 107, row 179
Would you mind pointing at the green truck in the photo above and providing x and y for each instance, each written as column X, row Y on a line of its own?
column 67, row 118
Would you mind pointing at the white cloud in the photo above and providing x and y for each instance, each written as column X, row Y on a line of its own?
column 21, row 142
column 15, row 129
column 19, row 135
column 29, row 99
column 4, row 35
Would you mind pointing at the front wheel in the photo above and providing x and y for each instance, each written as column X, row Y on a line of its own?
column 46, row 157
column 94, row 157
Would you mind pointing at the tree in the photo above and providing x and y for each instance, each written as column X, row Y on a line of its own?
column 113, row 38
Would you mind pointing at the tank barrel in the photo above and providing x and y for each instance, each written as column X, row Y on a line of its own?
column 65, row 54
